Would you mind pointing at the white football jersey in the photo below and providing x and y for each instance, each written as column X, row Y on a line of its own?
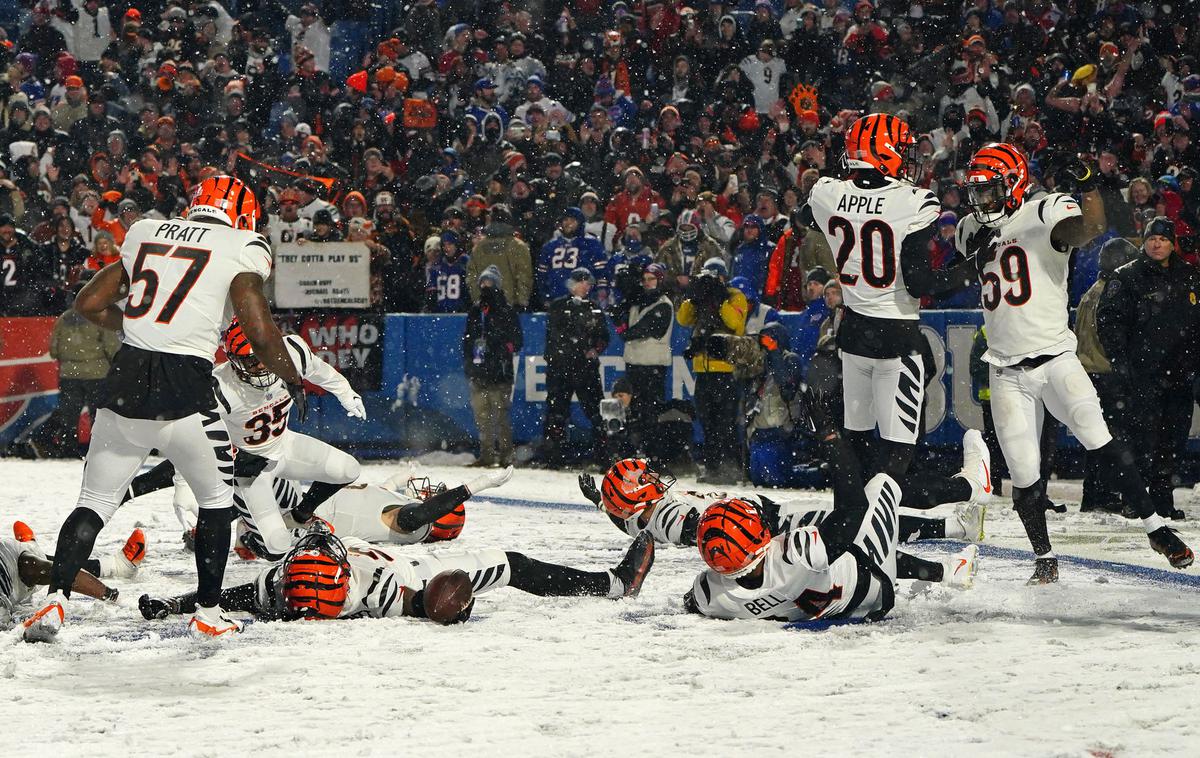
column 798, row 584
column 666, row 523
column 258, row 418
column 283, row 232
column 866, row 228
column 356, row 511
column 179, row 276
column 378, row 578
column 1024, row 289
column 12, row 590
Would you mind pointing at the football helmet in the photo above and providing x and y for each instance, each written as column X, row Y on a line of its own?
column 997, row 181
column 631, row 486
column 732, row 537
column 315, row 577
column 241, row 356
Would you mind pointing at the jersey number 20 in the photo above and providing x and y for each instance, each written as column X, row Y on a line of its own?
column 149, row 277
column 875, row 241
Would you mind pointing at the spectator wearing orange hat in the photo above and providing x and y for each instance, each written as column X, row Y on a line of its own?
column 74, row 105
column 310, row 31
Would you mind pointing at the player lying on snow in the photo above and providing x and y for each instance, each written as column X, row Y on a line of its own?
column 844, row 567
column 327, row 577
column 638, row 499
column 24, row 566
column 403, row 510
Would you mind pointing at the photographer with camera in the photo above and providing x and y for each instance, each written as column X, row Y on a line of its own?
column 713, row 308
column 644, row 319
column 576, row 334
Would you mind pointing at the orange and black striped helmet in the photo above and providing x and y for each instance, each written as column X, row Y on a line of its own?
column 448, row 526
column 997, row 181
column 227, row 199
column 882, row 142
column 732, row 536
column 241, row 356
column 631, row 486
column 316, row 577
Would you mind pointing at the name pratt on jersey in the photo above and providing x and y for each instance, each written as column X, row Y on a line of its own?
column 848, row 203
column 180, row 233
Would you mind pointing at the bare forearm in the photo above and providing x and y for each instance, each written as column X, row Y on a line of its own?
column 254, row 315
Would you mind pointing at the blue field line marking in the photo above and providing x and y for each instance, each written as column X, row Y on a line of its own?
column 1144, row 573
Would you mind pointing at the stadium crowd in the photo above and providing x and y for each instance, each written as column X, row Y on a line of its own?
column 627, row 151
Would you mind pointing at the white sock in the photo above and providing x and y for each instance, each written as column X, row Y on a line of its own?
column 616, row 588
column 955, row 529
column 1150, row 523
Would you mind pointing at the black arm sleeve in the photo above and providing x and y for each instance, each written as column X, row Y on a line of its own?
column 919, row 277
column 654, row 324
column 806, row 217
column 413, row 516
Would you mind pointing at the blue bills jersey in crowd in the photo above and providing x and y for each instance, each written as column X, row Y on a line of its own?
column 562, row 255
column 446, row 286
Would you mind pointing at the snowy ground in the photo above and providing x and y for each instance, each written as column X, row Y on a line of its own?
column 1105, row 663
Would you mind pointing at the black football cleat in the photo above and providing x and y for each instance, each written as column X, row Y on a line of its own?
column 634, row 567
column 1165, row 540
column 1045, row 571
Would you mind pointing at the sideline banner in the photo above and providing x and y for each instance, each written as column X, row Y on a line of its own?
column 323, row 275
column 351, row 342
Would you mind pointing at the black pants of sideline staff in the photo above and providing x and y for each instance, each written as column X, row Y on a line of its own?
column 562, row 381
column 1157, row 427
column 717, row 405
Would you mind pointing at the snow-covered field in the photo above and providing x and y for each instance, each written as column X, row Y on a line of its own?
column 1105, row 663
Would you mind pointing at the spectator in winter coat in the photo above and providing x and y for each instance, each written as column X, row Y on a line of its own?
column 492, row 337
column 644, row 321
column 635, row 204
column 501, row 248
column 752, row 257
column 84, row 352
column 684, row 254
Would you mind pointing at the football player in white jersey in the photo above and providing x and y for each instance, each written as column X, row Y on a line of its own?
column 403, row 510
column 638, row 499
column 180, row 282
column 880, row 226
column 327, row 577
column 1023, row 248
column 843, row 568
column 255, row 405
column 24, row 566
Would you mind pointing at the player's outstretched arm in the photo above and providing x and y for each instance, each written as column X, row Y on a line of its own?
column 97, row 301
column 1077, row 231
column 35, row 572
column 254, row 314
column 920, row 278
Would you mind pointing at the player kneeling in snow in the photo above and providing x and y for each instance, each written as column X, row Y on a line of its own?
column 638, row 499
column 326, row 577
column 24, row 566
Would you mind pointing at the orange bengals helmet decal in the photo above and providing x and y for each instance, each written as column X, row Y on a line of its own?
column 315, row 585
column 882, row 142
column 732, row 537
column 227, row 199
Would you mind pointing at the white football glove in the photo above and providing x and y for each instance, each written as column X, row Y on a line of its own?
column 354, row 407
column 489, row 480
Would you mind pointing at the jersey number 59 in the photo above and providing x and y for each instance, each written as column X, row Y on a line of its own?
column 1014, row 267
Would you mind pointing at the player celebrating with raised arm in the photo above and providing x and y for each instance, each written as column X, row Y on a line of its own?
column 879, row 226
column 1023, row 250
column 184, row 278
